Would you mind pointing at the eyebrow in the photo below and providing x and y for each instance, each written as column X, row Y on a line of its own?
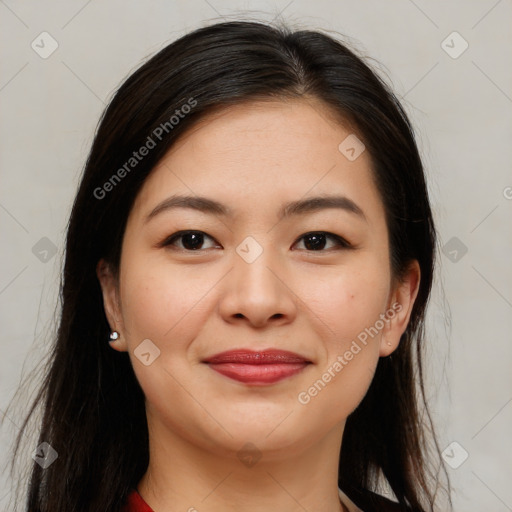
column 300, row 207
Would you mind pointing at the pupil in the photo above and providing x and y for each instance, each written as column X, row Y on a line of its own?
column 317, row 241
column 192, row 240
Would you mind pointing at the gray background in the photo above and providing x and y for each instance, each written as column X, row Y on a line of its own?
column 461, row 106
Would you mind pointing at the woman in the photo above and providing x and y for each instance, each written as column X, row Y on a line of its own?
column 248, row 262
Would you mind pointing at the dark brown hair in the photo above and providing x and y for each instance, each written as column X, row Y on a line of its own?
column 93, row 411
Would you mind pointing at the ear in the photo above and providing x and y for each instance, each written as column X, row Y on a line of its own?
column 111, row 303
column 399, row 309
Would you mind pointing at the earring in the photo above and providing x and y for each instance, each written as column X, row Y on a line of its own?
column 389, row 343
column 114, row 335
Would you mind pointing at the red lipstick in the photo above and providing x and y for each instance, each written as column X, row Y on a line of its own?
column 257, row 367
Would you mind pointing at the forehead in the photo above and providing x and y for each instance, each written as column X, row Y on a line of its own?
column 261, row 153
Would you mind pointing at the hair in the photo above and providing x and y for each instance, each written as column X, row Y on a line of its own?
column 93, row 411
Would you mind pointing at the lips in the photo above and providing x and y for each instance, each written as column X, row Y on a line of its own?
column 257, row 367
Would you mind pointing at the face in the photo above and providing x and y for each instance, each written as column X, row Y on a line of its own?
column 315, row 281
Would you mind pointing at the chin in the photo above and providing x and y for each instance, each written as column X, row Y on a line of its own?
column 273, row 435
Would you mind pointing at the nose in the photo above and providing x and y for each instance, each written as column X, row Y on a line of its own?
column 259, row 293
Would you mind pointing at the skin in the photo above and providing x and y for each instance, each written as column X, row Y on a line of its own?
column 253, row 158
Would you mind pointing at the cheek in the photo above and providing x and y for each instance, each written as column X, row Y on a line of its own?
column 339, row 389
column 348, row 301
column 160, row 303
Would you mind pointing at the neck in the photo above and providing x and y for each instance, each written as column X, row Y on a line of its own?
column 184, row 476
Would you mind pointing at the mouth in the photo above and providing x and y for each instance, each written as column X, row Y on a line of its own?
column 257, row 367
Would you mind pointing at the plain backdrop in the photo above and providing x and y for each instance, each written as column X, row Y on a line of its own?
column 449, row 62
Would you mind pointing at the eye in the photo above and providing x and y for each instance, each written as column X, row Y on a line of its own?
column 190, row 240
column 316, row 241
column 193, row 240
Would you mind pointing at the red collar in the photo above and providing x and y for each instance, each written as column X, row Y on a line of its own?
column 135, row 503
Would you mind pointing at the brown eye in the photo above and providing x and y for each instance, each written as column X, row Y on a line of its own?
column 190, row 240
column 317, row 240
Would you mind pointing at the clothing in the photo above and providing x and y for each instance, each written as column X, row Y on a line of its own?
column 135, row 503
column 370, row 501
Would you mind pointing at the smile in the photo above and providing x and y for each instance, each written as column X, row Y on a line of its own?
column 257, row 368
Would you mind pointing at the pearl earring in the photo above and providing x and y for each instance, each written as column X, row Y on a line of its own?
column 114, row 335
column 389, row 343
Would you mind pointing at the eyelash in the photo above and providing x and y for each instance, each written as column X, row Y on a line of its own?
column 342, row 243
